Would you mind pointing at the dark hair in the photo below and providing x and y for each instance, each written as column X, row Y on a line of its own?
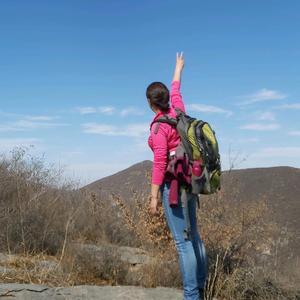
column 158, row 94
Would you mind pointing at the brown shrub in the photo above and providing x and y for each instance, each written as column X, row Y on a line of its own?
column 235, row 234
column 40, row 214
column 34, row 208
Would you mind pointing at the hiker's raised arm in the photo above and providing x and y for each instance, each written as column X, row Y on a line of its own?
column 175, row 95
column 179, row 66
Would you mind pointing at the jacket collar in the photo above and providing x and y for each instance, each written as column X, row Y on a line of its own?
column 159, row 114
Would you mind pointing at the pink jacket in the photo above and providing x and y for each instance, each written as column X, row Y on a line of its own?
column 167, row 138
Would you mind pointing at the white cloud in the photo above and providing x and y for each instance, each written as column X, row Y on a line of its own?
column 71, row 154
column 100, row 129
column 40, row 118
column 208, row 109
column 262, row 96
column 233, row 140
column 86, row 110
column 9, row 127
column 268, row 157
column 131, row 111
column 261, row 127
column 139, row 129
column 20, row 122
column 248, row 140
column 132, row 130
column 294, row 133
column 9, row 143
column 27, row 124
column 266, row 116
column 289, row 106
column 108, row 110
column 6, row 114
column 289, row 152
column 28, row 117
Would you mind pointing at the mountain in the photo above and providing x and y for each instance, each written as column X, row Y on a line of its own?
column 125, row 182
column 279, row 186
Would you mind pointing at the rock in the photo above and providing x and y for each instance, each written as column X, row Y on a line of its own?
column 5, row 270
column 22, row 291
column 39, row 265
column 37, row 292
column 48, row 265
column 134, row 256
column 3, row 258
column 6, row 258
column 106, row 261
column 131, row 255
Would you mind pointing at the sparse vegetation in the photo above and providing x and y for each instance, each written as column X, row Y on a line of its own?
column 41, row 215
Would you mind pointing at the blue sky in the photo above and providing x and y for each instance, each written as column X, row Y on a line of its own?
column 73, row 76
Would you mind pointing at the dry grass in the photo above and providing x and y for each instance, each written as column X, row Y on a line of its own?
column 40, row 214
column 40, row 269
column 34, row 209
column 150, row 230
column 234, row 234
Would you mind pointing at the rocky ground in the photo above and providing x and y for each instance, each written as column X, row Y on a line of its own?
column 133, row 258
column 32, row 292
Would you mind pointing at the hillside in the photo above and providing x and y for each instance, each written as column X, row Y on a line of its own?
column 125, row 182
column 279, row 186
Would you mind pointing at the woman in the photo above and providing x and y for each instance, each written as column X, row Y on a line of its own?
column 162, row 141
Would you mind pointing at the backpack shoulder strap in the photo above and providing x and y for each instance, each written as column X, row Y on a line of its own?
column 178, row 111
column 164, row 119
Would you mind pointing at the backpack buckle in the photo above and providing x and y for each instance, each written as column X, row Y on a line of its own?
column 172, row 154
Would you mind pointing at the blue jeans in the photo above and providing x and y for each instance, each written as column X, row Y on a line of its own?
column 192, row 255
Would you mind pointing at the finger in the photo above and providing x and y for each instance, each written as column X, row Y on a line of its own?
column 153, row 209
column 177, row 55
column 181, row 54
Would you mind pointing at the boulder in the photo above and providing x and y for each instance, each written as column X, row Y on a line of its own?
column 38, row 292
column 48, row 266
column 110, row 262
column 7, row 271
column 6, row 258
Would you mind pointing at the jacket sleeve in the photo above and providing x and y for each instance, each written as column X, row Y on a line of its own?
column 175, row 95
column 160, row 152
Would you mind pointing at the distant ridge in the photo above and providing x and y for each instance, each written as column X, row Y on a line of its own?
column 279, row 186
column 271, row 182
column 133, row 178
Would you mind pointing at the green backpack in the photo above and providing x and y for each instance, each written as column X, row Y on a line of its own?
column 199, row 142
